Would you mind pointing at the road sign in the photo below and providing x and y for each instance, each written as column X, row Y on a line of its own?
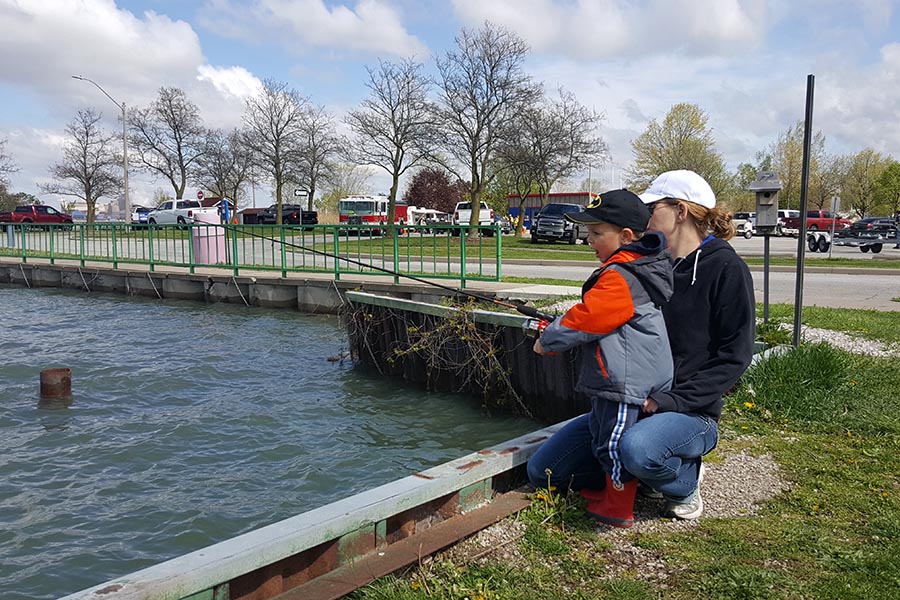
column 200, row 195
column 300, row 193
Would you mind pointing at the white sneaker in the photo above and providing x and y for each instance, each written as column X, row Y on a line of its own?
column 692, row 506
column 687, row 509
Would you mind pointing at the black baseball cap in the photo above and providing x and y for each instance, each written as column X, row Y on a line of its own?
column 618, row 207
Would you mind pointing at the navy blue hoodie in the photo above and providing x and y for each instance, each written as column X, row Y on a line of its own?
column 711, row 322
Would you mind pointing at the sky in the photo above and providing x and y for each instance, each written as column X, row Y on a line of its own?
column 744, row 62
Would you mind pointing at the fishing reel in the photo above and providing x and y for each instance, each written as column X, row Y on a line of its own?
column 533, row 328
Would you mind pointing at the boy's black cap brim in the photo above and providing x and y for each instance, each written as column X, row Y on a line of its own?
column 582, row 218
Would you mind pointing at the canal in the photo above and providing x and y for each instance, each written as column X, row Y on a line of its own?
column 190, row 424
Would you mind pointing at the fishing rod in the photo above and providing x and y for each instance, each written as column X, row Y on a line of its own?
column 525, row 310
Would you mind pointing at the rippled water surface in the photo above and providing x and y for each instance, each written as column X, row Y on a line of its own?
column 190, row 424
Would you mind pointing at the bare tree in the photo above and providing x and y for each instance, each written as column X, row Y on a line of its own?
column 482, row 86
column 547, row 144
column 90, row 164
column 274, row 136
column 320, row 145
column 7, row 166
column 225, row 167
column 168, row 137
column 394, row 126
column 344, row 179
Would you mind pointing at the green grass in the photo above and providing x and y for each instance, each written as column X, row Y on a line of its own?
column 831, row 420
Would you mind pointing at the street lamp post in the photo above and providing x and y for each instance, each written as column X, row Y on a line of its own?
column 124, row 141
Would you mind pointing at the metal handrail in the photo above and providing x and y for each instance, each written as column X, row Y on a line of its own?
column 434, row 251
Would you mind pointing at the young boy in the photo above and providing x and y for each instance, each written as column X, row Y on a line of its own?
column 625, row 354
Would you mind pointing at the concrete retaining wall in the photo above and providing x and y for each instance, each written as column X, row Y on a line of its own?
column 308, row 295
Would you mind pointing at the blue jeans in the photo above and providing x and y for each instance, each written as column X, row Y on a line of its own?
column 664, row 450
column 568, row 456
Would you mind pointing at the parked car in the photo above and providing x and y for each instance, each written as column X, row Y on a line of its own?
column 36, row 214
column 503, row 223
column 462, row 215
column 745, row 223
column 551, row 224
column 291, row 214
column 178, row 212
column 139, row 215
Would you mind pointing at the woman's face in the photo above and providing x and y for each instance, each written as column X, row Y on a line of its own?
column 663, row 216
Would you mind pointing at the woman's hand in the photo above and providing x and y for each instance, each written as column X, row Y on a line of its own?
column 649, row 406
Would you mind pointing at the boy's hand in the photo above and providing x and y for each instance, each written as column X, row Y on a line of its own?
column 538, row 348
column 649, row 406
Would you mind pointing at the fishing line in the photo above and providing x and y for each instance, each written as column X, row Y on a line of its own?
column 525, row 310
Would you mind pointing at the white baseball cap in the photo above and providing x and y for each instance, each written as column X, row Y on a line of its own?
column 680, row 185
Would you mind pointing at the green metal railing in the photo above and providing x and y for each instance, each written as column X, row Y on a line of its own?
column 435, row 251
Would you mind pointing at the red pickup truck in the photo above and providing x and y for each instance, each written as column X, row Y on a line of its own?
column 818, row 220
column 35, row 213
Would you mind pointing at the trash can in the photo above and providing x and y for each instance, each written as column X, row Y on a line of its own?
column 208, row 238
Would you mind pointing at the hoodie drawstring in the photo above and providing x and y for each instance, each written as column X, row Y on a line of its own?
column 696, row 260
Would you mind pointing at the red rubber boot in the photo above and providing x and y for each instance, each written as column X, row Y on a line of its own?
column 592, row 495
column 616, row 506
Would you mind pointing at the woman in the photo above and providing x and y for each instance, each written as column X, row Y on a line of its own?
column 711, row 321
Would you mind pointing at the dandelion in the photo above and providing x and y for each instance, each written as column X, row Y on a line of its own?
column 744, row 427
column 415, row 585
column 884, row 494
column 749, row 404
column 815, row 507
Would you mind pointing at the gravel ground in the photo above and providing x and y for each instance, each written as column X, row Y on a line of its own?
column 734, row 486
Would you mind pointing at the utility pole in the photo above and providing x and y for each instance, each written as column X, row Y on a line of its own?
column 124, row 141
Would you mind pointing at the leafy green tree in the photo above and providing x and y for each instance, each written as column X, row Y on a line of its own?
column 887, row 189
column 787, row 160
column 858, row 193
column 736, row 196
column 682, row 141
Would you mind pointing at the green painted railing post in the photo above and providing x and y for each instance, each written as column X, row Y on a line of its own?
column 150, row 242
column 81, row 242
column 499, row 235
column 463, row 236
column 283, row 253
column 24, row 251
column 115, row 248
column 50, row 233
column 191, row 235
column 395, row 230
column 234, row 249
column 337, row 252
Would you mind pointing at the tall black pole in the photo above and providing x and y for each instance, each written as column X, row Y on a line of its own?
column 804, row 185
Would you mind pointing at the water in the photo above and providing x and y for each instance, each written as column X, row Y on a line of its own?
column 190, row 424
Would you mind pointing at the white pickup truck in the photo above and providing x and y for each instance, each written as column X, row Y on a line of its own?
column 179, row 212
column 462, row 215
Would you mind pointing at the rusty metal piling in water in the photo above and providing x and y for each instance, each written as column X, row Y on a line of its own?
column 56, row 383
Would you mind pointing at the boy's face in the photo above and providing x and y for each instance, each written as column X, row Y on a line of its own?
column 605, row 239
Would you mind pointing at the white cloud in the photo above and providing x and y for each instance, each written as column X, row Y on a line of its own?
column 129, row 56
column 587, row 29
column 372, row 26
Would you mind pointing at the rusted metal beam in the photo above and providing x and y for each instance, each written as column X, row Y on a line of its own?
column 407, row 551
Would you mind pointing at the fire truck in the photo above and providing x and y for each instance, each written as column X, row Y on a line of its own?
column 370, row 210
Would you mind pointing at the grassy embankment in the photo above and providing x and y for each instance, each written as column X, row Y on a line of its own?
column 830, row 419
